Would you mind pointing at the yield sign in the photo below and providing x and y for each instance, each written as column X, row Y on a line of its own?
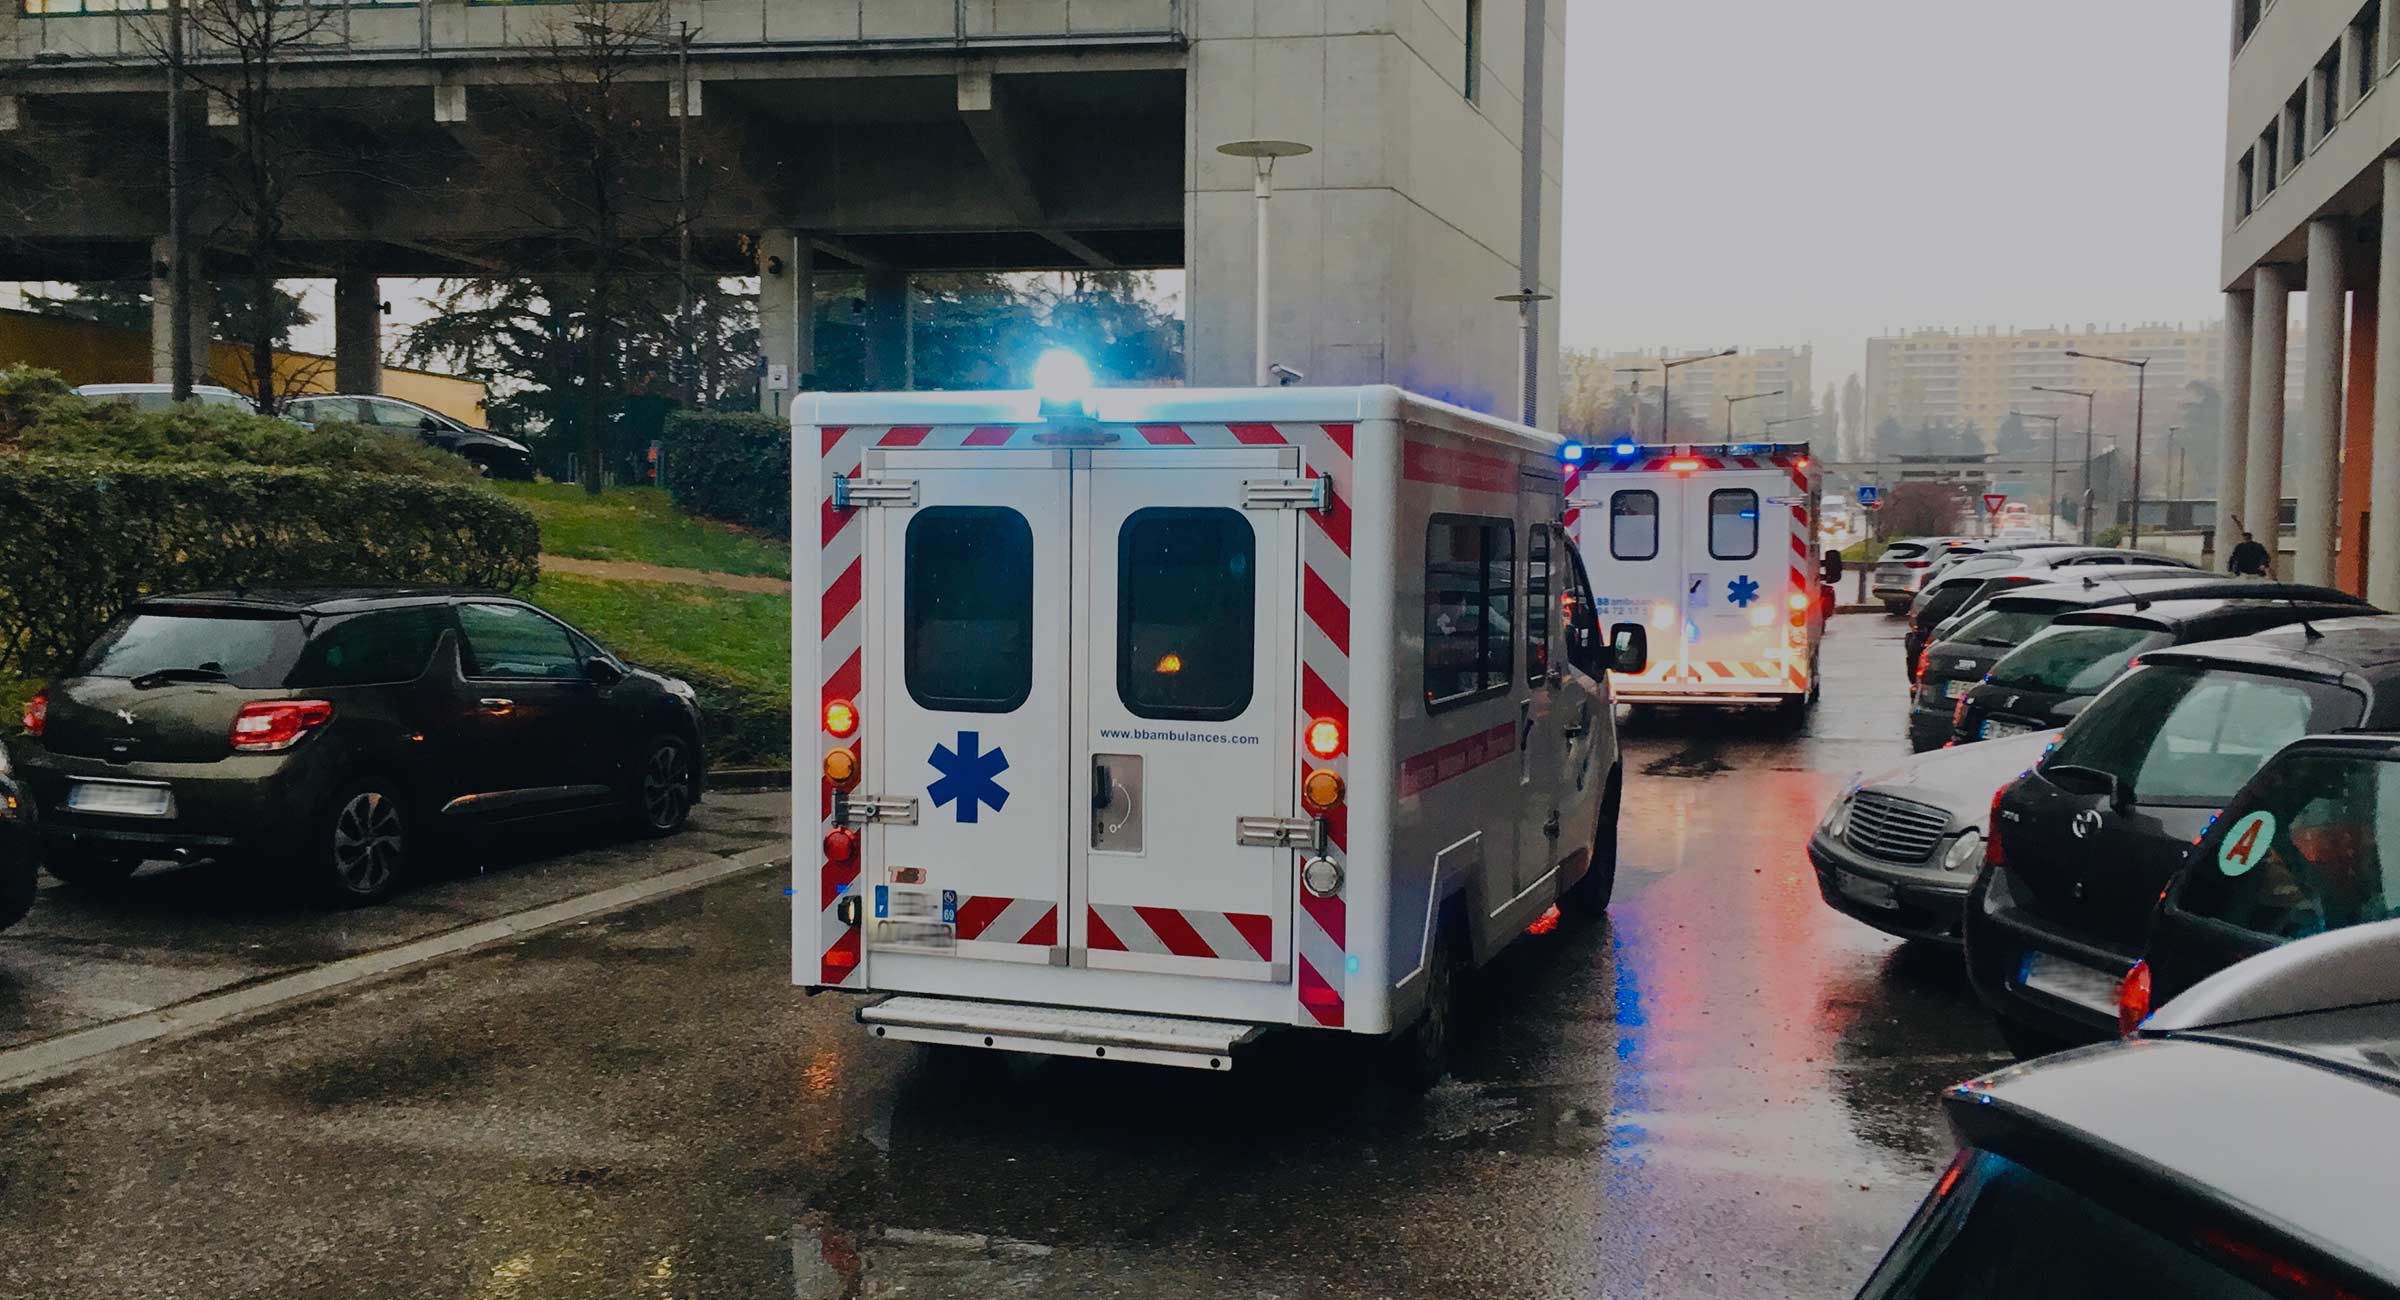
column 1993, row 501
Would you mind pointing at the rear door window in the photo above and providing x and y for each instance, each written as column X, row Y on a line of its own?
column 2303, row 851
column 253, row 650
column 967, row 640
column 1733, row 524
column 2076, row 659
column 1633, row 525
column 1999, row 628
column 517, row 643
column 2179, row 734
column 389, row 645
column 1470, row 621
column 1187, row 613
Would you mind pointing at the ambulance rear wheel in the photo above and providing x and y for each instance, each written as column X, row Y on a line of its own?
column 1588, row 897
column 1421, row 1053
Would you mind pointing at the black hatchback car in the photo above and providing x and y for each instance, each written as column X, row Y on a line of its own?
column 1951, row 591
column 2082, row 846
column 339, row 731
column 2054, row 676
column 20, row 869
column 2242, row 1149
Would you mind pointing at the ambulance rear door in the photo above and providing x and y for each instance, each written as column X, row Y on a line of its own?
column 1735, row 575
column 1631, row 538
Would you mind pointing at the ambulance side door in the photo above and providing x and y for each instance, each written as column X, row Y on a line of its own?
column 1551, row 713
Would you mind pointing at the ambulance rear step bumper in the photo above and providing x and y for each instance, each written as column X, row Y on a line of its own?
column 1705, row 697
column 1059, row 1031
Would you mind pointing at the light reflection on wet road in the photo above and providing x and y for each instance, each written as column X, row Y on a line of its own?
column 1726, row 1092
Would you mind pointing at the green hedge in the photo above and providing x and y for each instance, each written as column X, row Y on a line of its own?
column 732, row 466
column 743, row 723
column 83, row 539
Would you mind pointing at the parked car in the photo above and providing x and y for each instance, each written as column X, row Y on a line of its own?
column 2242, row 1149
column 2084, row 844
column 1900, row 572
column 20, row 869
column 1898, row 851
column 488, row 452
column 338, row 731
column 1968, row 647
column 160, row 397
column 1948, row 592
column 2054, row 676
column 2299, row 852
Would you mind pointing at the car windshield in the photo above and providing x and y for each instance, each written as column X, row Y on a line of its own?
column 2191, row 735
column 2302, row 850
column 2076, row 660
column 250, row 649
column 2000, row 628
column 2005, row 1231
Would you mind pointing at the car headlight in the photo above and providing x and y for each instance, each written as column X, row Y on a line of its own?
column 5, row 768
column 1837, row 818
column 1965, row 852
column 682, row 690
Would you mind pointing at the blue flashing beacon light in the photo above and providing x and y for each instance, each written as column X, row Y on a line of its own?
column 1571, row 453
column 1625, row 448
column 1063, row 381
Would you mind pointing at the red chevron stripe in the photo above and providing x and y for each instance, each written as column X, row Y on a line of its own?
column 1341, row 435
column 1334, row 519
column 1318, row 700
column 903, row 436
column 1175, row 932
column 1324, row 609
column 832, row 434
column 841, row 596
column 1164, row 435
column 1257, row 435
column 975, row 915
column 1322, row 1000
column 994, row 435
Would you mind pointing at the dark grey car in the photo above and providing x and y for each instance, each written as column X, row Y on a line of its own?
column 488, row 452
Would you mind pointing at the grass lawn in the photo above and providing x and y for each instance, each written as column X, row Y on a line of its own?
column 640, row 525
column 743, row 635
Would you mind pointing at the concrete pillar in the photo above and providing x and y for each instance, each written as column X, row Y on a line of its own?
column 162, row 319
column 2270, row 336
column 2358, row 434
column 357, row 333
column 2320, row 467
column 2383, row 504
column 787, row 318
column 2233, row 455
column 890, row 345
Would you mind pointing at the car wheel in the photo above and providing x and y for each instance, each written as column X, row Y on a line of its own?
column 360, row 852
column 1588, row 898
column 662, row 786
column 17, row 892
column 1421, row 1054
column 77, row 865
column 1791, row 713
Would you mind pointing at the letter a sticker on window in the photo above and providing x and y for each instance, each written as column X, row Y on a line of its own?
column 2246, row 843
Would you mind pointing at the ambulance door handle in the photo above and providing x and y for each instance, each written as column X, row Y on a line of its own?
column 1103, row 786
column 1582, row 726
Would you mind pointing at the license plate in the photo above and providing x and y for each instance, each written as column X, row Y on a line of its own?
column 1957, row 689
column 2069, row 981
column 115, row 800
column 1872, row 893
column 1995, row 729
column 931, row 935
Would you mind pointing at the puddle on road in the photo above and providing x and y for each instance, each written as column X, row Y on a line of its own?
column 835, row 1264
column 1513, row 1118
column 1695, row 761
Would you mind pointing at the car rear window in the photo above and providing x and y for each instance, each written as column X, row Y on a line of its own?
column 2000, row 628
column 1903, row 551
column 967, row 643
column 1187, row 613
column 1732, row 524
column 2192, row 735
column 2005, row 1232
column 2077, row 659
column 387, row 645
column 253, row 649
column 1633, row 525
column 2301, row 852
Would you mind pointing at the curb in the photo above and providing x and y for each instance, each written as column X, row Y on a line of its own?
column 1863, row 609
column 741, row 779
column 52, row 1057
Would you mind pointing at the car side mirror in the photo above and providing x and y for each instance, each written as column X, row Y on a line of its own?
column 601, row 672
column 1833, row 567
column 1629, row 649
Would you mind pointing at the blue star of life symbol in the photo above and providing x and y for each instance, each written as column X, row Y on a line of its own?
column 968, row 777
column 1742, row 591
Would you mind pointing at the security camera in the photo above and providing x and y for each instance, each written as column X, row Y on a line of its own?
column 1285, row 375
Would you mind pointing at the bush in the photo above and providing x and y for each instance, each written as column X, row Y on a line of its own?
column 86, row 538
column 742, row 723
column 730, row 466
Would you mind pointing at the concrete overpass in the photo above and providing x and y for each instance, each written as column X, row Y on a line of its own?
column 890, row 137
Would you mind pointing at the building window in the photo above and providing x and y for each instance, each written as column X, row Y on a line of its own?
column 2270, row 173
column 2295, row 112
column 2367, row 30
column 2327, row 111
column 1474, row 35
column 2245, row 20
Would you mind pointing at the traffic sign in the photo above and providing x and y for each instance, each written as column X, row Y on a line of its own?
column 1994, row 501
column 1870, row 496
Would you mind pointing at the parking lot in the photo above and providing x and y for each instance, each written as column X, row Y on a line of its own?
column 1728, row 1091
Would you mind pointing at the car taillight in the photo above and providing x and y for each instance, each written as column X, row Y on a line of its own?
column 1918, row 564
column 1324, row 737
column 1924, row 661
column 267, row 726
column 841, row 719
column 1994, row 855
column 1958, row 716
column 2133, row 998
column 37, row 713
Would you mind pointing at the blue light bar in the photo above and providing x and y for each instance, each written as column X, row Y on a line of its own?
column 1626, row 447
column 1571, row 453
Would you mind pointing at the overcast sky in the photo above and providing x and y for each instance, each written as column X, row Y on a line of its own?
column 1755, row 173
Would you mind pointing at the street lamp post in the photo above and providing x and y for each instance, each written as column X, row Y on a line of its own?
column 2053, row 419
column 1528, row 301
column 1772, row 425
column 179, row 238
column 2141, row 393
column 1666, row 386
column 2088, row 398
column 684, row 32
column 1732, row 402
column 1263, row 153
column 1637, row 372
column 2174, row 463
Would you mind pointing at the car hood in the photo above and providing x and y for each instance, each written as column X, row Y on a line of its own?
column 1964, row 778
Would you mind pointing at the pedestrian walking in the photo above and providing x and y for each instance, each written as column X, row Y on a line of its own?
column 2250, row 559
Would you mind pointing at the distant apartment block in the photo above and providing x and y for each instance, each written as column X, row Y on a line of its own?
column 1700, row 389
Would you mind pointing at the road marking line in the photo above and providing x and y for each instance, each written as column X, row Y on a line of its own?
column 52, row 1057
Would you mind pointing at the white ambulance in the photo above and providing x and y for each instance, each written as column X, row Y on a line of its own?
column 1713, row 548
column 1153, row 719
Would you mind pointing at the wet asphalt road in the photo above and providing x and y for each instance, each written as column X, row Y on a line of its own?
column 1727, row 1091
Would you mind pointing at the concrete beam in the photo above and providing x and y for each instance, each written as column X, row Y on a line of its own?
column 1003, row 130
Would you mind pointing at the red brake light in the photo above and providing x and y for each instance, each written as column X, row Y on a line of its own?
column 1918, row 564
column 840, row 845
column 1994, row 855
column 1683, row 465
column 2289, row 1275
column 1324, row 737
column 2133, row 999
column 37, row 713
column 841, row 719
column 268, row 726
column 1958, row 716
column 1924, row 660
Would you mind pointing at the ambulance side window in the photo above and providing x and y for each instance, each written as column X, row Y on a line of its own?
column 1187, row 613
column 1733, row 524
column 967, row 643
column 1586, row 651
column 1470, row 615
column 1537, row 606
column 1633, row 525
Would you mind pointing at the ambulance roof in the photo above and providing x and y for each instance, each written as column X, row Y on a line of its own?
column 1172, row 406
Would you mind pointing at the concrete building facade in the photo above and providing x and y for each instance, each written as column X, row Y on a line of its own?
column 1977, row 376
column 1700, row 389
column 2312, row 204
column 896, row 136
